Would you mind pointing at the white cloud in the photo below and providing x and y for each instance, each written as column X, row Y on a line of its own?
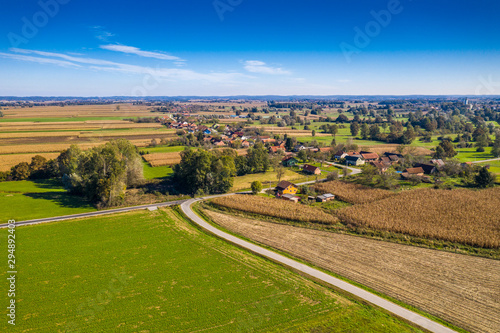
column 102, row 34
column 66, row 57
column 139, row 52
column 256, row 66
column 98, row 64
column 39, row 60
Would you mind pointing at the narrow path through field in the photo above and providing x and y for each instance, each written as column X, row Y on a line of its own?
column 490, row 160
column 397, row 310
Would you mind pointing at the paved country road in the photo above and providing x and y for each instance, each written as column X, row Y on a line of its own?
column 185, row 205
column 395, row 309
column 97, row 213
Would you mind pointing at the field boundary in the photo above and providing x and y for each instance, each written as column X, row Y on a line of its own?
column 357, row 292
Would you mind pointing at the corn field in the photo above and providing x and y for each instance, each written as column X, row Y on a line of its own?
column 463, row 216
column 352, row 193
column 275, row 208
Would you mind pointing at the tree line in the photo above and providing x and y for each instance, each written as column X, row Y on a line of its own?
column 101, row 174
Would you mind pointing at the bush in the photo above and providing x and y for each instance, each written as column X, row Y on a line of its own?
column 256, row 187
column 334, row 175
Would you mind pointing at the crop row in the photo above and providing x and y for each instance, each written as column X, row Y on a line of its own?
column 352, row 193
column 275, row 208
column 463, row 216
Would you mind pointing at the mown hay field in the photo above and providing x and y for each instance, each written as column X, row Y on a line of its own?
column 32, row 126
column 352, row 193
column 169, row 276
column 463, row 216
column 103, row 110
column 9, row 160
column 161, row 159
column 171, row 158
column 276, row 208
column 88, row 134
column 58, row 147
column 460, row 289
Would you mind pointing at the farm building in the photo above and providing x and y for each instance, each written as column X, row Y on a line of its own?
column 311, row 169
column 354, row 160
column 325, row 197
column 340, row 154
column 290, row 197
column 415, row 171
column 381, row 167
column 428, row 168
column 285, row 187
column 290, row 161
column 368, row 156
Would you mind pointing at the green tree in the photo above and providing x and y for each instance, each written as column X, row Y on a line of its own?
column 484, row 178
column 256, row 187
column 280, row 171
column 313, row 133
column 346, row 172
column 37, row 163
column 258, row 158
column 202, row 171
column 334, row 175
column 408, row 135
column 38, row 167
column 374, row 132
column 365, row 131
column 481, row 142
column 496, row 146
column 354, row 129
column 68, row 160
column 20, row 171
column 333, row 130
column 439, row 153
column 445, row 149
column 302, row 155
column 102, row 173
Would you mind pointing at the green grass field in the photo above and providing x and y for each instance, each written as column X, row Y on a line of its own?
column 25, row 200
column 156, row 172
column 244, row 182
column 470, row 154
column 163, row 149
column 154, row 272
column 494, row 167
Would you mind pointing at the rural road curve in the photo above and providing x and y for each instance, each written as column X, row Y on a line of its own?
column 186, row 208
column 397, row 310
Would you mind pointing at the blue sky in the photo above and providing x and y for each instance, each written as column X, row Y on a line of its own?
column 250, row 47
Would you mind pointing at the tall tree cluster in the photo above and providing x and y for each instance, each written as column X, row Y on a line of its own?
column 102, row 173
column 201, row 171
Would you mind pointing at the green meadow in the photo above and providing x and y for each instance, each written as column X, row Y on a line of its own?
column 156, row 172
column 154, row 272
column 25, row 200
